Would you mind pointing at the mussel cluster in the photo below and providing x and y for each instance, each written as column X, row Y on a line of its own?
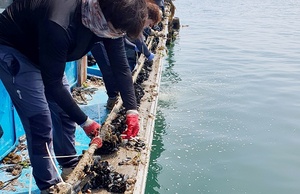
column 113, row 138
column 107, row 178
column 12, row 158
column 14, row 169
column 135, row 144
column 91, row 60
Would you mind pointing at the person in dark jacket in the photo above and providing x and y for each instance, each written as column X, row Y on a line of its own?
column 133, row 46
column 37, row 38
column 161, row 4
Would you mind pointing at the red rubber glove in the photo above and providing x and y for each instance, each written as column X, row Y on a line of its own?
column 132, row 121
column 91, row 128
column 98, row 141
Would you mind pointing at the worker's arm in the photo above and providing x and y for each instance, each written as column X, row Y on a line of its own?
column 118, row 61
column 54, row 44
column 52, row 56
column 142, row 47
column 129, row 44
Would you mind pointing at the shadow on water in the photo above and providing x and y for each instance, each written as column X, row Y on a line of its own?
column 169, row 77
column 157, row 149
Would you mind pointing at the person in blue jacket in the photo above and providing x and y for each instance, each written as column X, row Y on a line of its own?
column 37, row 38
column 161, row 4
column 132, row 47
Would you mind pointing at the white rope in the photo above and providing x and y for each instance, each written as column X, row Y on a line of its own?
column 30, row 181
column 67, row 156
column 51, row 159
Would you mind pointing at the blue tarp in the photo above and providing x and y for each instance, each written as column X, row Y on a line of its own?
column 8, row 138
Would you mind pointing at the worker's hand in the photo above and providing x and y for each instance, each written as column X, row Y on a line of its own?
column 150, row 57
column 132, row 121
column 98, row 141
column 159, row 34
column 91, row 128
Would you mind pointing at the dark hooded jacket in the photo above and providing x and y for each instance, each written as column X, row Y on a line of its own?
column 50, row 33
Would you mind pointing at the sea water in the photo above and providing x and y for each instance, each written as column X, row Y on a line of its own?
column 228, row 119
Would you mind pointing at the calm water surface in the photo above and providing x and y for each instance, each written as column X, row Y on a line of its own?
column 229, row 112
